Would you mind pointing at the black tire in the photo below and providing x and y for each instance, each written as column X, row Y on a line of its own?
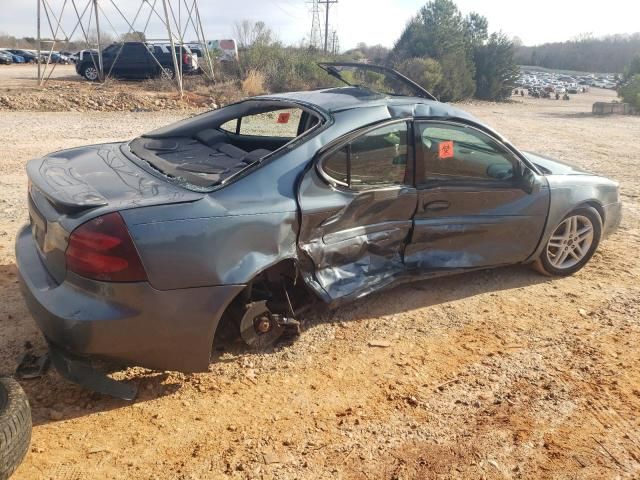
column 91, row 73
column 167, row 73
column 15, row 426
column 543, row 263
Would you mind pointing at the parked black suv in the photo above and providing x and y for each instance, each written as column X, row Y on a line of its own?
column 136, row 60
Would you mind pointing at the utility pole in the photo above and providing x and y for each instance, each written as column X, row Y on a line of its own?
column 327, row 4
column 39, row 47
column 100, row 67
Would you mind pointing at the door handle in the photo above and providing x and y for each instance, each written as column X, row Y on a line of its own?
column 436, row 206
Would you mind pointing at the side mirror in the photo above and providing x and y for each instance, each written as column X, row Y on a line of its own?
column 501, row 171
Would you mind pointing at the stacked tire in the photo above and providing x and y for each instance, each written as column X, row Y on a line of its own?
column 15, row 426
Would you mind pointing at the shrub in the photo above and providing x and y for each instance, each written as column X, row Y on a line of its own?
column 470, row 61
column 438, row 32
column 495, row 71
column 426, row 72
column 285, row 68
column 253, row 84
column 630, row 92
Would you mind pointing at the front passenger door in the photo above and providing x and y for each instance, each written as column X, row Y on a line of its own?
column 478, row 205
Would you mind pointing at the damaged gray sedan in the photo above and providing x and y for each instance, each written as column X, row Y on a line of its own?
column 232, row 222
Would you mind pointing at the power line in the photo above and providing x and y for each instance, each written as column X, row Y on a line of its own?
column 327, row 4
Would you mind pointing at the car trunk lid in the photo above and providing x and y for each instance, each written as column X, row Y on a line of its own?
column 70, row 187
column 376, row 78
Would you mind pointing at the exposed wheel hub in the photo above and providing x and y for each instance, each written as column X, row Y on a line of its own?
column 262, row 323
column 259, row 328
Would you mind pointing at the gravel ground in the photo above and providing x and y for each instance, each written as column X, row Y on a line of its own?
column 495, row 374
column 25, row 75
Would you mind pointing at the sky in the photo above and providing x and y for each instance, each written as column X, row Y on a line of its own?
column 355, row 20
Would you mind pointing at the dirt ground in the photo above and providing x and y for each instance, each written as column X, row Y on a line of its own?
column 496, row 374
column 66, row 91
column 23, row 75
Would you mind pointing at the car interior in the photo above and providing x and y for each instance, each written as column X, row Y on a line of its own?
column 207, row 156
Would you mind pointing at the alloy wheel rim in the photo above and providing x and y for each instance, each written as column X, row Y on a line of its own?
column 570, row 242
column 167, row 73
column 91, row 73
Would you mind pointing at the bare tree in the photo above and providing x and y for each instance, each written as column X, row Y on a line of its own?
column 249, row 33
column 105, row 38
column 133, row 37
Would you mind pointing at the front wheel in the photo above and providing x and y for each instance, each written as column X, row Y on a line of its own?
column 572, row 243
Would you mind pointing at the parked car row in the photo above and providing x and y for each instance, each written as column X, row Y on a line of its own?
column 17, row 55
column 553, row 82
column 7, row 57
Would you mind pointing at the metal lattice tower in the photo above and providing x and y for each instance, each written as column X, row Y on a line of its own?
column 315, row 39
column 327, row 4
column 178, row 18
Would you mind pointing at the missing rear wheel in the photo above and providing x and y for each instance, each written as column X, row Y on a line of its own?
column 259, row 328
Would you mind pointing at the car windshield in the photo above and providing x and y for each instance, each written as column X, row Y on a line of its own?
column 375, row 78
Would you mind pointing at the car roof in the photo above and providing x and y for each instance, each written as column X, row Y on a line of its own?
column 334, row 100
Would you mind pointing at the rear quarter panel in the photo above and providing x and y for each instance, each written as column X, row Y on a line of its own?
column 229, row 235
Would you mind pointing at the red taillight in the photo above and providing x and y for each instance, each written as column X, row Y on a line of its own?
column 102, row 249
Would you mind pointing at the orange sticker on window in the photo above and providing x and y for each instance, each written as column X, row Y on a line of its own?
column 284, row 117
column 446, row 149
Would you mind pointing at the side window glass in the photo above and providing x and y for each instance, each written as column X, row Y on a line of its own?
column 379, row 157
column 135, row 49
column 450, row 152
column 279, row 123
column 111, row 50
column 230, row 126
column 336, row 165
column 282, row 123
column 375, row 159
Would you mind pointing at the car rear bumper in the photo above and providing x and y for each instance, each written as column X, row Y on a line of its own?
column 127, row 323
column 612, row 218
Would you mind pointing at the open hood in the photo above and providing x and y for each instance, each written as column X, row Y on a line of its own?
column 375, row 78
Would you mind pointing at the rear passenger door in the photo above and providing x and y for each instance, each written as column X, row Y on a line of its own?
column 133, row 61
column 357, row 205
column 478, row 204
